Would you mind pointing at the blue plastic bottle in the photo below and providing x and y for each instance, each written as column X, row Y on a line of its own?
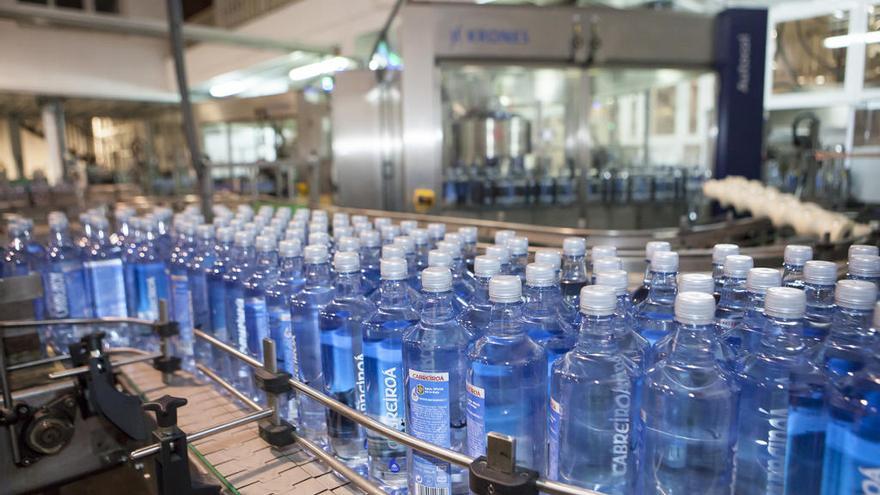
column 745, row 336
column 507, row 380
column 305, row 309
column 592, row 403
column 240, row 266
column 408, row 245
column 631, row 344
column 654, row 315
column 217, row 297
column 202, row 261
column 34, row 257
column 64, row 282
column 436, row 231
column 462, row 280
column 442, row 259
column 389, row 233
column 651, row 247
column 503, row 236
column 468, row 245
column 181, row 298
column 550, row 257
column 775, row 374
column 371, row 249
column 819, row 280
column 793, row 265
column 420, row 238
column 129, row 239
column 151, row 279
column 262, row 277
column 541, row 298
column 384, row 373
column 864, row 267
column 104, row 270
column 599, row 252
column 688, row 409
column 475, row 317
column 342, row 358
column 850, row 340
column 435, row 359
column 720, row 252
column 290, row 282
column 573, row 275
column 503, row 256
column 734, row 297
column 519, row 256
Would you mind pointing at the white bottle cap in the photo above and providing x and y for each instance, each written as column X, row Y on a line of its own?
column 518, row 245
column 855, row 294
column 720, row 252
column 437, row 257
column 389, row 232
column 664, row 262
column 298, row 234
column 502, row 236
column 696, row 282
column 289, row 248
column 357, row 219
column 818, row 272
column 315, row 253
column 342, row 231
column 760, row 279
column 574, row 246
column 797, row 254
column 862, row 249
column 419, row 236
column 603, row 251
column 390, row 251
column 380, row 222
column 453, row 237
column 348, row 244
column 339, row 218
column 370, row 238
column 616, row 279
column 598, row 300
column 864, row 265
column 224, row 234
column 317, row 227
column 436, row 279
column 265, row 243
column 346, row 262
column 406, row 242
column 392, row 269
column 436, row 230
column 469, row 234
column 540, row 275
column 694, row 308
column 486, row 266
column 548, row 256
column 655, row 247
column 499, row 252
column 451, row 248
column 407, row 226
column 243, row 238
column 203, row 231
column 738, row 265
column 505, row 289
column 785, row 302
column 319, row 238
column 606, row 263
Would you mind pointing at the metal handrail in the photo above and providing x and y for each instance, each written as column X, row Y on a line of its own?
column 441, row 453
column 77, row 321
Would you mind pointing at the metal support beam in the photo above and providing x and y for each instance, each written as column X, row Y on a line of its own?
column 15, row 143
column 54, row 131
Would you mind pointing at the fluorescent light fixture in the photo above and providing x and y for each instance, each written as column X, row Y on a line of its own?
column 228, row 88
column 845, row 40
column 327, row 66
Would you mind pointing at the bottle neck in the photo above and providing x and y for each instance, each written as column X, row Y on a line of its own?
column 370, row 257
column 481, row 291
column 291, row 267
column 783, row 335
column 692, row 344
column 574, row 268
column 545, row 296
column 505, row 319
column 755, row 303
column 848, row 322
column 733, row 293
column 437, row 307
column 267, row 260
column 596, row 334
column 317, row 274
column 663, row 286
column 394, row 293
column 624, row 304
column 60, row 236
column 647, row 280
column 348, row 285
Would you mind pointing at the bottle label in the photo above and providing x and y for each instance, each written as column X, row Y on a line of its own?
column 240, row 325
column 199, row 294
column 280, row 332
column 360, row 383
column 182, row 303
column 57, row 307
column 553, row 419
column 217, row 296
column 257, row 323
column 476, row 420
column 75, row 286
column 391, row 392
column 108, row 286
column 429, row 420
column 851, row 461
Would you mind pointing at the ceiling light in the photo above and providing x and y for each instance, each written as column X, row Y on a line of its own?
column 229, row 88
column 327, row 66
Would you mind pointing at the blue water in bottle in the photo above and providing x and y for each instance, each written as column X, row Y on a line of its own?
column 384, row 373
column 202, row 261
column 734, row 296
column 342, row 358
column 688, row 409
column 468, row 245
column 104, row 271
column 223, row 249
column 507, row 380
column 129, row 238
column 519, row 256
column 289, row 283
column 592, row 403
column 462, row 281
column 435, row 360
column 850, row 339
column 256, row 317
column 541, row 299
column 305, row 309
column 241, row 264
column 654, row 315
column 371, row 249
column 632, row 345
column 475, row 317
column 651, row 247
column 64, row 283
column 573, row 275
column 819, row 280
column 181, row 297
column 745, row 336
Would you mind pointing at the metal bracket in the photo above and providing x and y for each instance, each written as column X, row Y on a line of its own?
column 280, row 435
column 272, row 383
column 497, row 473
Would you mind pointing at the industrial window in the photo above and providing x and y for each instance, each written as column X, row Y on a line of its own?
column 69, row 4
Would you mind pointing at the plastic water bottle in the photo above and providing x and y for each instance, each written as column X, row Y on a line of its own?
column 104, row 271
column 384, row 373
column 850, row 340
column 151, row 278
column 407, row 226
column 651, row 247
column 468, row 245
column 591, row 403
column 688, row 408
column 654, row 315
column 597, row 252
column 507, row 380
column 819, row 280
column 518, row 247
column 442, row 259
column 409, row 254
column 181, row 298
column 552, row 257
column 435, row 359
column 475, row 317
column 573, row 276
column 202, row 261
column 632, row 345
column 772, row 378
column 436, row 231
column 696, row 282
column 541, row 297
column 864, row 267
column 256, row 314
column 239, row 269
column 503, row 256
column 342, row 358
column 420, row 238
column 720, row 252
column 860, row 249
column 745, row 336
column 64, row 281
column 217, row 297
column 371, row 246
column 23, row 256
column 793, row 265
column 129, row 239
column 852, row 444
column 462, row 281
column 734, row 296
column 389, row 233
column 305, row 311
column 502, row 237
column 290, row 282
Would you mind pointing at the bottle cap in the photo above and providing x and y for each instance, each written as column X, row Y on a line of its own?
column 289, row 248
column 295, row 234
column 316, row 253
column 243, row 238
column 518, row 245
column 225, row 234
column 505, row 289
column 358, row 219
column 346, row 262
column 392, row 268
column 696, row 282
column 390, row 251
column 616, row 279
column 502, row 236
column 499, row 252
column 738, row 265
column 419, row 236
column 319, row 214
column 436, row 230
column 451, row 248
column 342, row 231
column 339, row 218
column 549, row 256
column 862, row 249
column 759, row 280
column 440, row 258
column 317, row 227
column 574, row 246
column 370, row 238
column 406, row 242
column 818, row 272
column 797, row 254
column 720, row 252
column 436, row 279
column 864, row 265
column 855, row 294
column 348, row 244
column 389, row 232
column 603, row 251
column 265, row 243
column 665, row 262
column 605, row 263
column 598, row 300
column 303, row 213
column 694, row 308
column 407, row 226
column 486, row 266
column 468, row 234
column 540, row 275
column 652, row 247
column 319, row 238
column 380, row 222
column 785, row 302
column 454, row 238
